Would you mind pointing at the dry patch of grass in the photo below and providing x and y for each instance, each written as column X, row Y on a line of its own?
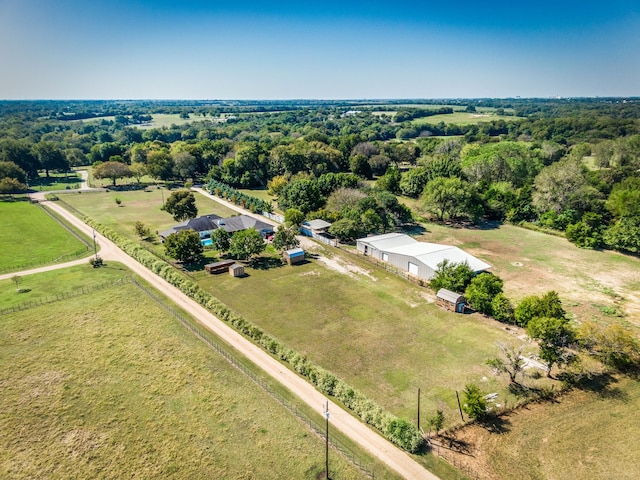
column 585, row 434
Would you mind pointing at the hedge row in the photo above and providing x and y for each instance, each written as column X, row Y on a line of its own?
column 223, row 190
column 398, row 431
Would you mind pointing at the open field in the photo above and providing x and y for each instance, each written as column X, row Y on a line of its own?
column 31, row 237
column 137, row 205
column 56, row 181
column 162, row 120
column 379, row 332
column 461, row 118
column 57, row 282
column 119, row 389
column 590, row 283
column 584, row 435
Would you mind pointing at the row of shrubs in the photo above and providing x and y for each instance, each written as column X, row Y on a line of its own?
column 252, row 204
column 397, row 430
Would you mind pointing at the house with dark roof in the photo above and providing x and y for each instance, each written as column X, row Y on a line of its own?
column 208, row 223
column 203, row 225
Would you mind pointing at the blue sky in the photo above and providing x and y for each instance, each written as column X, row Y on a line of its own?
column 197, row 49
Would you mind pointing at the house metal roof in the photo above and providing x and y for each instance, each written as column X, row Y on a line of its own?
column 388, row 240
column 317, row 224
column 432, row 254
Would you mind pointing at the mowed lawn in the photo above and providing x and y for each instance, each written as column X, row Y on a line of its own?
column 380, row 333
column 589, row 282
column 584, row 435
column 29, row 236
column 137, row 205
column 47, row 285
column 108, row 386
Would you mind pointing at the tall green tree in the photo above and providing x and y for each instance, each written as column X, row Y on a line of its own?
column 220, row 239
column 285, row 238
column 452, row 276
column 181, row 204
column 474, row 403
column 554, row 335
column 246, row 244
column 481, row 292
column 51, row 157
column 112, row 170
column 447, row 197
column 184, row 246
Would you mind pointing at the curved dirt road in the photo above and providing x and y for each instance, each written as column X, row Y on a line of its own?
column 386, row 452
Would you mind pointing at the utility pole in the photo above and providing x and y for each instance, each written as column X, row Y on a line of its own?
column 459, row 407
column 326, row 456
column 418, row 409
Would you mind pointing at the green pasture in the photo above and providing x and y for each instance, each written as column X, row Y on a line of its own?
column 462, row 118
column 381, row 333
column 531, row 262
column 137, row 205
column 385, row 337
column 56, row 181
column 66, row 281
column 583, row 435
column 165, row 120
column 109, row 386
column 29, row 237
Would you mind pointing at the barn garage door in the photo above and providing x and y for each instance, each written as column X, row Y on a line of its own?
column 385, row 257
column 413, row 269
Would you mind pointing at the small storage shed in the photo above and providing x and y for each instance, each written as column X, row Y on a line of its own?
column 219, row 267
column 450, row 300
column 295, row 255
column 236, row 270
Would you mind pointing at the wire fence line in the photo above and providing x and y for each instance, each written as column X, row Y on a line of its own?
column 64, row 296
column 454, row 460
column 205, row 335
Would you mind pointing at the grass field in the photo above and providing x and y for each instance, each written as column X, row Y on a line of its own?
column 162, row 120
column 56, row 181
column 584, row 435
column 118, row 389
column 382, row 334
column 57, row 282
column 590, row 283
column 137, row 205
column 462, row 118
column 31, row 237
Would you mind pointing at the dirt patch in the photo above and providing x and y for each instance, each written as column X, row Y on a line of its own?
column 345, row 268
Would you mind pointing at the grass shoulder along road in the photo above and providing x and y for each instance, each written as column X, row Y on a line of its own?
column 109, row 385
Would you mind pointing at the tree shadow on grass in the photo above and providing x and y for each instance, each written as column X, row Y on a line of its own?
column 266, row 263
column 496, row 423
column 602, row 384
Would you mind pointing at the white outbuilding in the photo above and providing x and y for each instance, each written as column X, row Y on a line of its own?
column 419, row 259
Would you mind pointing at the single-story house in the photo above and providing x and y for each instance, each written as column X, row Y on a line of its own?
column 208, row 223
column 204, row 225
column 244, row 222
column 419, row 259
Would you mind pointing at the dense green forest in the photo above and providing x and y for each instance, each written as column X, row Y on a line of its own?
column 570, row 165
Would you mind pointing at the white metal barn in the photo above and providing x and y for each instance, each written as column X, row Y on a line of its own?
column 419, row 259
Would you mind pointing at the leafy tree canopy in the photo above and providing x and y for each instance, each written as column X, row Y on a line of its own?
column 181, row 204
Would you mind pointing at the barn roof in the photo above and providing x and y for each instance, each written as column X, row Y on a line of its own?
column 432, row 254
column 388, row 240
column 450, row 296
